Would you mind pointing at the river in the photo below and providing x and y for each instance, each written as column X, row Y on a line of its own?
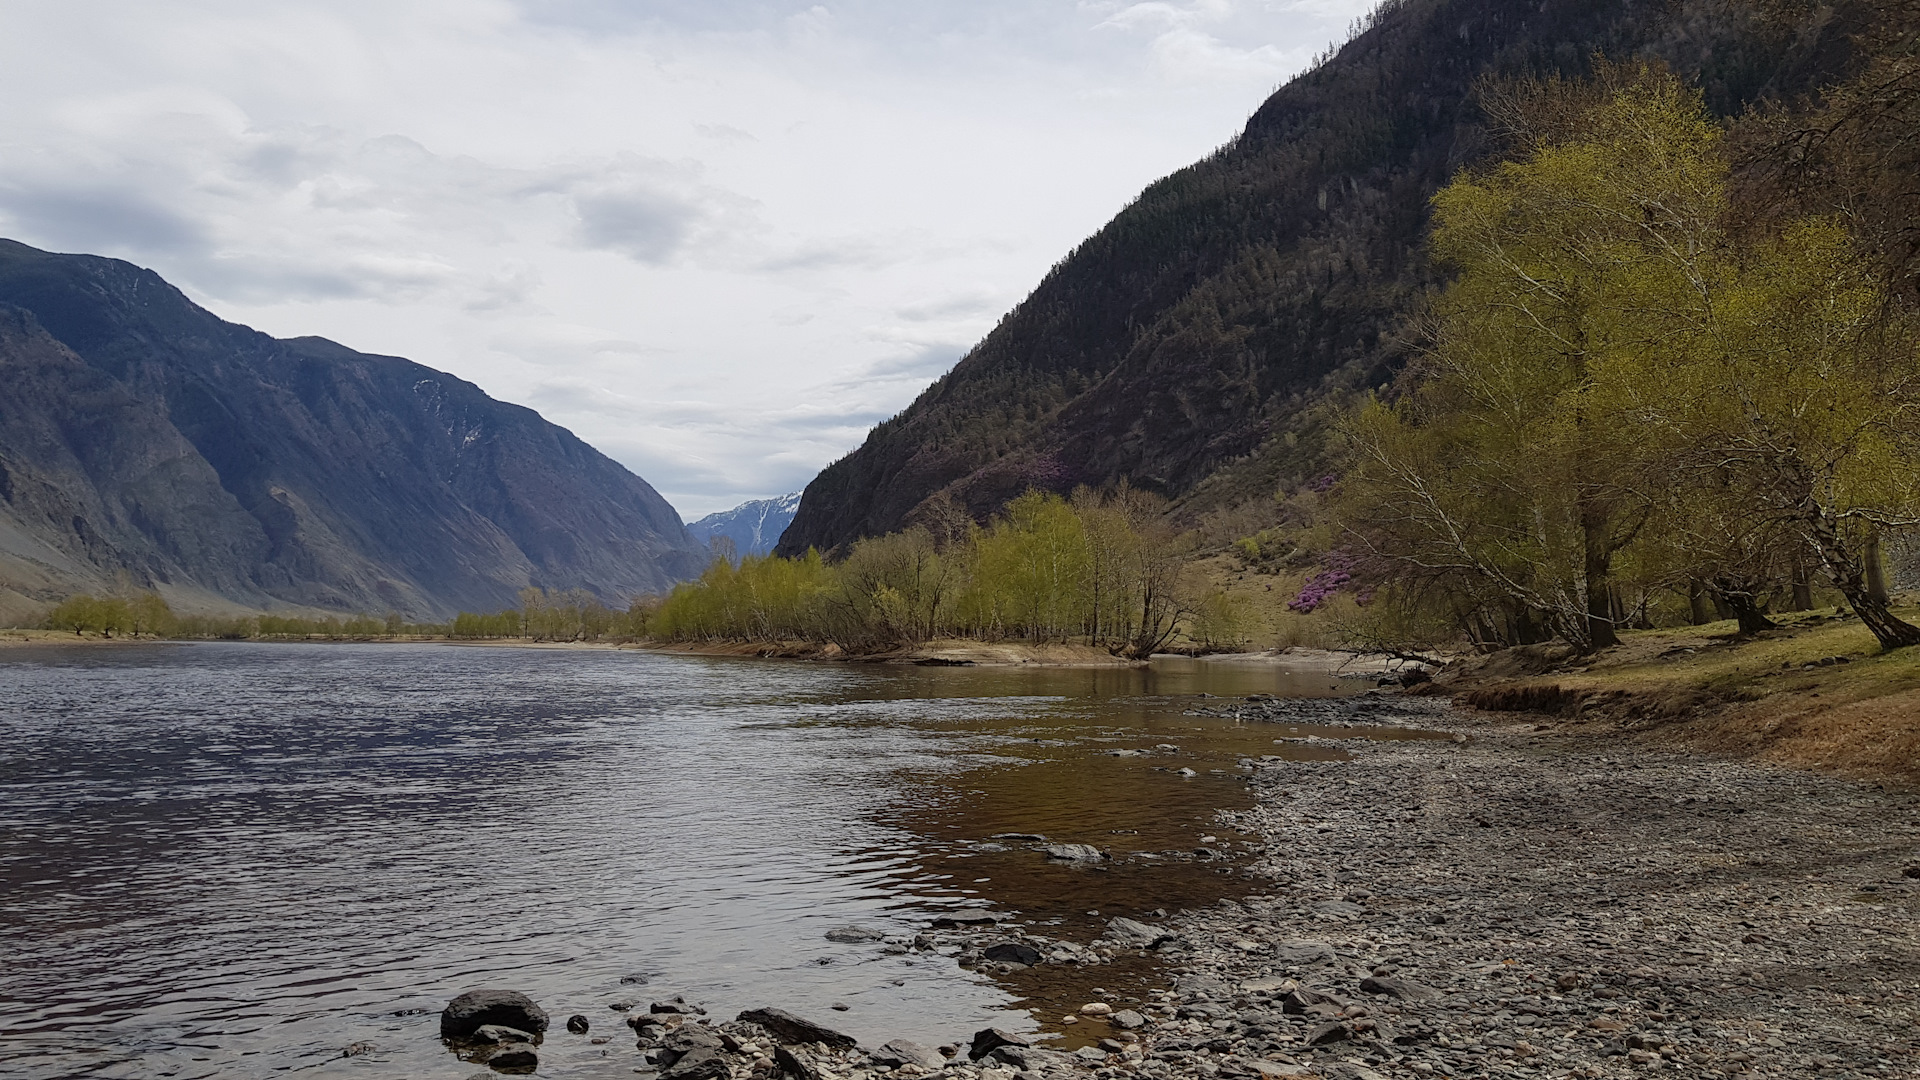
column 233, row 860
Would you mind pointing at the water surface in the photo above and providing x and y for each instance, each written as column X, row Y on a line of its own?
column 226, row 860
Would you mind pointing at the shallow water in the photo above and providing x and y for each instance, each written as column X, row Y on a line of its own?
column 236, row 859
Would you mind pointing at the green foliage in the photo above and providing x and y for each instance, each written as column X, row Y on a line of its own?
column 1621, row 395
column 1096, row 569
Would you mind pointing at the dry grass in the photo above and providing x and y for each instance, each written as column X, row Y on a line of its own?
column 1705, row 689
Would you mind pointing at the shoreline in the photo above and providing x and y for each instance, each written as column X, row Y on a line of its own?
column 1532, row 902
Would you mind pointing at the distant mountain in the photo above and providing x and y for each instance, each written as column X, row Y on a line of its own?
column 1192, row 345
column 754, row 527
column 145, row 441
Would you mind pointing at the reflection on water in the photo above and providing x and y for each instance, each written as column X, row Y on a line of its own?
column 226, row 860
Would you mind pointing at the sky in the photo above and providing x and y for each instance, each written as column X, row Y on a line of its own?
column 717, row 239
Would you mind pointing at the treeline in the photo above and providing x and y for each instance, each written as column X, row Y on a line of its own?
column 1655, row 385
column 1098, row 569
column 572, row 615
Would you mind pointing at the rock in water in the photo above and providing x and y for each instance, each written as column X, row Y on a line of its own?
column 906, row 1052
column 1075, row 852
column 515, row 1058
column 577, row 1024
column 1136, row 934
column 506, row 1008
column 500, row 1033
column 1127, row 1020
column 1010, row 953
column 854, row 935
column 792, row 1029
column 990, row 1039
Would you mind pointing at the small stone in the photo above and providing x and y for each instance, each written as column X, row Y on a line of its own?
column 1096, row 1008
column 1127, row 1020
column 1185, row 772
column 677, row 1005
column 577, row 1024
column 357, row 1049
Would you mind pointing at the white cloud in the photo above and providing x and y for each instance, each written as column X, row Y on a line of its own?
column 716, row 238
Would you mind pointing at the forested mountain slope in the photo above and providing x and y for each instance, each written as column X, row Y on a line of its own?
column 1189, row 347
column 145, row 442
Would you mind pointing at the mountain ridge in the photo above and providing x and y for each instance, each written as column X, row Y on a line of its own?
column 1192, row 344
column 318, row 476
column 754, row 527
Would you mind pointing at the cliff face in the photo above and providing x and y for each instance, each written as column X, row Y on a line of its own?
column 1190, row 346
column 144, row 440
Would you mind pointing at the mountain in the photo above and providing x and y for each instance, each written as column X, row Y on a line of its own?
column 753, row 527
column 1192, row 346
column 144, row 441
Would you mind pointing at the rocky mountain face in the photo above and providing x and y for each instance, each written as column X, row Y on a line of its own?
column 1193, row 345
column 753, row 528
column 145, row 442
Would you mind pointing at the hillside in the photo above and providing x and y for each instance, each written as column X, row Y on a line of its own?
column 1191, row 346
column 752, row 527
column 145, row 442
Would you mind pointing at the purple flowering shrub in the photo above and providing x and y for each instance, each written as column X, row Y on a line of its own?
column 1338, row 569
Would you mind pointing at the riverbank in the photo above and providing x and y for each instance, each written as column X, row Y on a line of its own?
column 944, row 652
column 1531, row 902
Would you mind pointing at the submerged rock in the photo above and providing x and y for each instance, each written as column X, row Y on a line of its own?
column 506, row 1008
column 1075, row 852
column 854, row 935
column 577, row 1024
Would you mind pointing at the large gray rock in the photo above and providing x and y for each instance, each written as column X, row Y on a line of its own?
column 1136, row 934
column 506, row 1008
column 700, row 1063
column 1395, row 987
column 1012, row 952
column 789, row 1028
column 1074, row 853
column 987, row 1040
column 900, row 1052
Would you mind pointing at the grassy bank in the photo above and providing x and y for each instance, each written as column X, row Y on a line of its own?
column 1818, row 692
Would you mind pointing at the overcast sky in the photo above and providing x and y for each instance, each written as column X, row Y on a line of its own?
column 719, row 240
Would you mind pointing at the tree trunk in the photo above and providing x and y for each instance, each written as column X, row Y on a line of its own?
column 1850, row 577
column 1697, row 608
column 1599, row 565
column 1802, row 586
column 1746, row 612
column 1876, row 571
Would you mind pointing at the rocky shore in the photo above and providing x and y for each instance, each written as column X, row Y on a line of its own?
column 1505, row 902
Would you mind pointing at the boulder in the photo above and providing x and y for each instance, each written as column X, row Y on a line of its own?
column 1012, row 953
column 507, row 1008
column 900, row 1052
column 987, row 1040
column 1074, row 852
column 789, row 1028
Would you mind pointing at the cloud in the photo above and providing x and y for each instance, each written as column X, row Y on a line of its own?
column 101, row 219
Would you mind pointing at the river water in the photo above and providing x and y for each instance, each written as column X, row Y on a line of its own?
column 233, row 860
